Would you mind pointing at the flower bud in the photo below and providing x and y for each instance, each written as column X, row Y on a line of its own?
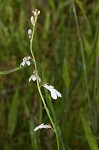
column 38, row 12
column 30, row 33
column 32, row 20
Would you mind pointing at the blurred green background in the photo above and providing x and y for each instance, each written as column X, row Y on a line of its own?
column 64, row 41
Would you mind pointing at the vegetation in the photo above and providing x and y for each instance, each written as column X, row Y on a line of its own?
column 66, row 48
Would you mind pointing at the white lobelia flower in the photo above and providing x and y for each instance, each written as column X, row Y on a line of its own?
column 42, row 126
column 33, row 77
column 26, row 60
column 54, row 92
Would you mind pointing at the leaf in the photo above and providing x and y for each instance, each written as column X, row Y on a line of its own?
column 89, row 134
column 13, row 114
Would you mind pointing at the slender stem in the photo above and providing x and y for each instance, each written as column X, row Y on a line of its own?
column 9, row 71
column 82, row 52
column 38, row 85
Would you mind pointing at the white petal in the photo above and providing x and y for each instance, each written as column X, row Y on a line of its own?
column 38, row 127
column 30, row 78
column 28, row 63
column 46, row 86
column 58, row 93
column 53, row 94
column 33, row 77
column 42, row 126
column 45, row 126
column 22, row 64
column 51, row 87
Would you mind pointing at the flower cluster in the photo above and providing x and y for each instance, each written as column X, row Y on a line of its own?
column 35, row 77
column 33, row 21
column 34, row 17
column 54, row 93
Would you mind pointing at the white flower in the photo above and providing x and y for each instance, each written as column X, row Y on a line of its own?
column 42, row 126
column 54, row 92
column 26, row 60
column 33, row 77
column 30, row 33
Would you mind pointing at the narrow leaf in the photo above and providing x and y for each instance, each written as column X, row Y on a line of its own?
column 13, row 114
column 89, row 134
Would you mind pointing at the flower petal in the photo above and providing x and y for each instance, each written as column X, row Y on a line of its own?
column 42, row 126
column 28, row 63
column 33, row 77
column 22, row 64
column 51, row 87
column 58, row 93
column 30, row 78
column 53, row 94
column 48, row 87
column 38, row 127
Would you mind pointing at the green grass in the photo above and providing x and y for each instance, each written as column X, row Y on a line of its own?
column 66, row 47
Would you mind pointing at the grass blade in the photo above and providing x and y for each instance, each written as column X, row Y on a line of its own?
column 80, row 5
column 13, row 114
column 31, row 127
column 89, row 134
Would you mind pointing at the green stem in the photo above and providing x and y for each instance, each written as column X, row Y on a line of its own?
column 38, row 85
column 9, row 71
